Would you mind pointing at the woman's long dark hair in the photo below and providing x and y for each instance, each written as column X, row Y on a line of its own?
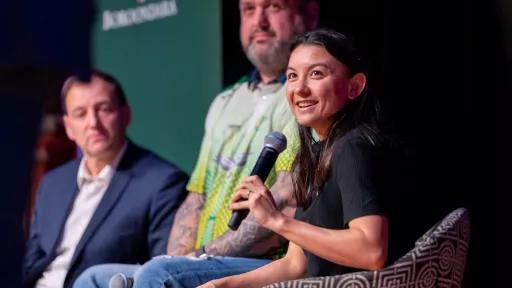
column 312, row 165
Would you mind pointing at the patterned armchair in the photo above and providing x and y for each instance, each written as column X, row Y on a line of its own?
column 437, row 260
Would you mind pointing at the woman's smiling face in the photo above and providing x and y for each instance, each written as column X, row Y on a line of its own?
column 318, row 87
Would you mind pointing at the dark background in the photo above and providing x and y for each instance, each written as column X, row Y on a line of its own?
column 40, row 42
column 440, row 68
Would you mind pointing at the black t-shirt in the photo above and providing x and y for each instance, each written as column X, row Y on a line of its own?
column 351, row 191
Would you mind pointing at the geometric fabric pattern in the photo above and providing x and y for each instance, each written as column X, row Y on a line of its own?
column 437, row 260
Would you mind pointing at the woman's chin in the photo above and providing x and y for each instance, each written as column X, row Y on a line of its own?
column 307, row 122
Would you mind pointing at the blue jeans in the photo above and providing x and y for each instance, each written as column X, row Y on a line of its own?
column 99, row 275
column 170, row 271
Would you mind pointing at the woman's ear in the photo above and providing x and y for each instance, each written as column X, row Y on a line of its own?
column 356, row 85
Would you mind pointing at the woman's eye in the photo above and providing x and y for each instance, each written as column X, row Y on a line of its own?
column 291, row 76
column 316, row 73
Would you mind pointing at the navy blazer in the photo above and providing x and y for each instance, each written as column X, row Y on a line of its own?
column 130, row 225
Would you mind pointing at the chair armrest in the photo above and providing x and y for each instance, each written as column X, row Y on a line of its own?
column 360, row 279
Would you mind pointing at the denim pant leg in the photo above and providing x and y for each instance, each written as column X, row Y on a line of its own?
column 99, row 275
column 185, row 272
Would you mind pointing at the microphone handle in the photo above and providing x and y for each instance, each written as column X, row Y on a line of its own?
column 262, row 168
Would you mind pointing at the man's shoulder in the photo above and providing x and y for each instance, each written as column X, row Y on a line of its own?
column 70, row 167
column 61, row 177
column 230, row 88
column 233, row 89
column 145, row 160
column 226, row 96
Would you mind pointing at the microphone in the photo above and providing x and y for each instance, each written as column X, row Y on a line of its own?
column 274, row 144
column 120, row 281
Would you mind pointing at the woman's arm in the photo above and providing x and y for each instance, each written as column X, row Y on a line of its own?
column 363, row 245
column 292, row 266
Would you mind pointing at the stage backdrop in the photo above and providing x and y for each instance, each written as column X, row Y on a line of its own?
column 167, row 55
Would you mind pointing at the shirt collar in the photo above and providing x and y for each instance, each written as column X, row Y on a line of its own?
column 105, row 174
column 254, row 79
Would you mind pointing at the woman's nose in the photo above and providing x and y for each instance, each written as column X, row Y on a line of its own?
column 302, row 88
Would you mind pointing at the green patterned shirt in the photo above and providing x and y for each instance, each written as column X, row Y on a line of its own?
column 238, row 121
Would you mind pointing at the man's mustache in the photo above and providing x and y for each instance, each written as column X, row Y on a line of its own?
column 269, row 32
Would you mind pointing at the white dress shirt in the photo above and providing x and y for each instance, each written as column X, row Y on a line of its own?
column 90, row 191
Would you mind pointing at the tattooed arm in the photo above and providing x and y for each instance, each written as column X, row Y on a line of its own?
column 184, row 230
column 251, row 240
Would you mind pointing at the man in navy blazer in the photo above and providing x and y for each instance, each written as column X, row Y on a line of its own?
column 115, row 204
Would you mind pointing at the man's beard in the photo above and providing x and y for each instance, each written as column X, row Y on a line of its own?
column 271, row 61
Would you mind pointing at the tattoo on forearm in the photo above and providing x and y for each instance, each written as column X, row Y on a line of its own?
column 240, row 242
column 183, row 234
column 250, row 239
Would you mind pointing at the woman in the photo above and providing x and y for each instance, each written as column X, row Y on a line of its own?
column 340, row 223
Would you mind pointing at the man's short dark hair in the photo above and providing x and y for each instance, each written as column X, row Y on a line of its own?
column 118, row 89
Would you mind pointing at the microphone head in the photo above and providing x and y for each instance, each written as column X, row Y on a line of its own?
column 120, row 281
column 276, row 140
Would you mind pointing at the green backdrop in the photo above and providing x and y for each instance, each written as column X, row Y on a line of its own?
column 167, row 56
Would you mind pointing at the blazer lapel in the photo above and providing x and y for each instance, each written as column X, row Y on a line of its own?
column 117, row 185
column 66, row 193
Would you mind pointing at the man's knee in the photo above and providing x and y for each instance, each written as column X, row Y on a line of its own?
column 156, row 265
column 88, row 278
column 161, row 270
column 99, row 275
